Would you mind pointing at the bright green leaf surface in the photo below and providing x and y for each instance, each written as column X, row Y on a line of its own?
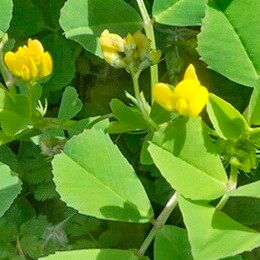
column 93, row 254
column 178, row 138
column 129, row 118
column 5, row 15
column 84, row 20
column 227, row 121
column 215, row 235
column 14, row 113
column 179, row 12
column 185, row 178
column 172, row 243
column 70, row 104
column 249, row 190
column 10, row 187
column 229, row 35
column 188, row 170
column 92, row 176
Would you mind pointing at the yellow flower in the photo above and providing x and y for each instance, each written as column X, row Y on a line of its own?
column 133, row 52
column 29, row 62
column 112, row 44
column 112, row 41
column 188, row 98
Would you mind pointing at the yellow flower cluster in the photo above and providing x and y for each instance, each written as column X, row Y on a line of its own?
column 29, row 62
column 132, row 52
column 112, row 44
column 188, row 98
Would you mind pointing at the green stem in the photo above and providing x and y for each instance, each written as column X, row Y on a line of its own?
column 254, row 131
column 149, row 31
column 8, row 78
column 99, row 119
column 232, row 184
column 136, row 87
column 141, row 104
column 31, row 96
column 158, row 224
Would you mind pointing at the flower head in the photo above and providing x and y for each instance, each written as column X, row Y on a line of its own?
column 29, row 62
column 188, row 98
column 133, row 52
column 111, row 45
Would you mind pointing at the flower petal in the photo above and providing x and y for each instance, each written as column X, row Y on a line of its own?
column 190, row 73
column 163, row 96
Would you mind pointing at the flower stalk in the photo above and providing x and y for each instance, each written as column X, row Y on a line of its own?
column 8, row 78
column 149, row 31
column 159, row 223
column 232, row 184
column 141, row 103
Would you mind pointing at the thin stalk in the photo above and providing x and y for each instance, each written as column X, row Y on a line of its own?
column 8, row 78
column 149, row 31
column 254, row 131
column 19, row 248
column 232, row 184
column 99, row 119
column 158, row 224
column 141, row 104
column 31, row 90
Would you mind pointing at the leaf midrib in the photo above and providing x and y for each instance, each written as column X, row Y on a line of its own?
column 191, row 165
column 96, row 179
column 99, row 181
column 164, row 13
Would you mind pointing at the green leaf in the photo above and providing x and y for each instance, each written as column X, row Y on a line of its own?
column 32, row 246
column 14, row 113
column 35, row 166
column 92, row 176
column 249, row 216
column 186, row 179
column 8, row 157
column 129, row 118
column 232, row 52
column 172, row 243
column 9, row 230
column 182, row 134
column 27, row 19
column 215, row 235
column 188, row 170
column 249, row 190
column 227, row 121
column 45, row 191
column 5, row 15
column 35, row 226
column 79, row 126
column 64, row 62
column 160, row 115
column 84, row 20
column 4, row 139
column 179, row 12
column 93, row 254
column 70, row 104
column 10, row 187
column 252, row 112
